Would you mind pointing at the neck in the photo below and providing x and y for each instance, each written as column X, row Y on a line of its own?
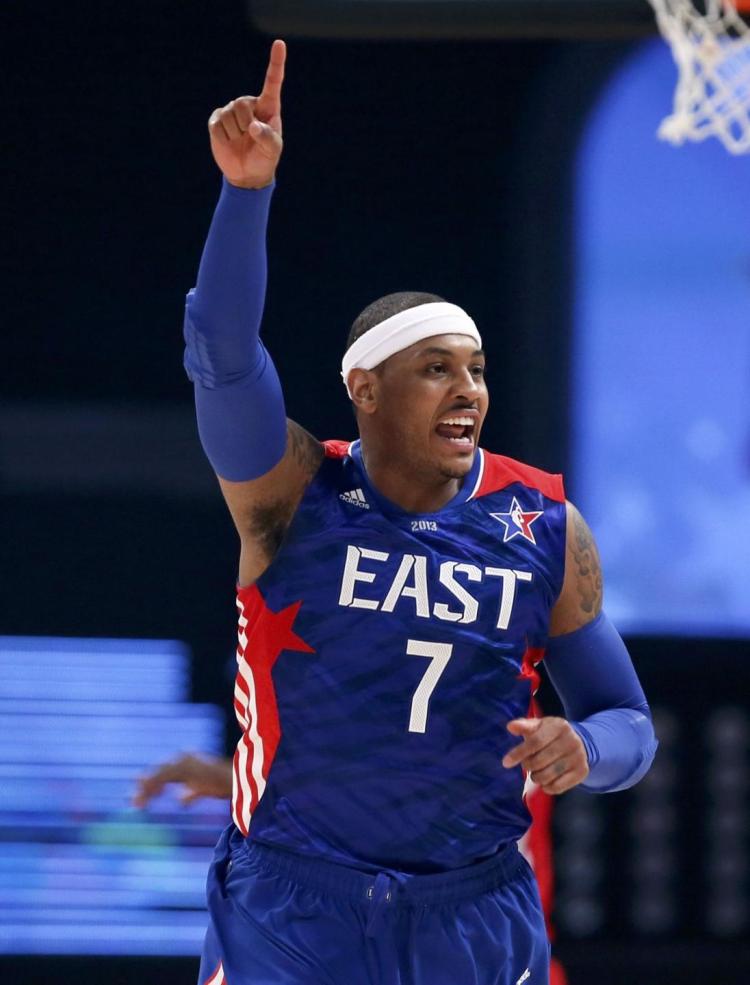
column 413, row 490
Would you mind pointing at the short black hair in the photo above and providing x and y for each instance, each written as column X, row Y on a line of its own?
column 384, row 307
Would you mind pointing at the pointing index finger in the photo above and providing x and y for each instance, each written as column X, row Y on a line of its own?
column 531, row 745
column 270, row 98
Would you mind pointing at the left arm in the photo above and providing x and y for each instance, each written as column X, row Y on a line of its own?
column 606, row 742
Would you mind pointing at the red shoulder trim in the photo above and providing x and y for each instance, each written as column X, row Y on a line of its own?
column 500, row 472
column 334, row 448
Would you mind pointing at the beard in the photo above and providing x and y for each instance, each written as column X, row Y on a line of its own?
column 458, row 470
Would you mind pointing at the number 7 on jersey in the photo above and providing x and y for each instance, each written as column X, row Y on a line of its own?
column 439, row 654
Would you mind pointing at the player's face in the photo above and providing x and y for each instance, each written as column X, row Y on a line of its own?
column 432, row 402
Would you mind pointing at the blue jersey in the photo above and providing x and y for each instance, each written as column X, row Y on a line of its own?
column 381, row 656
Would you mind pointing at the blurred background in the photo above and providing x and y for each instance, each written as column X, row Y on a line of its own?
column 500, row 153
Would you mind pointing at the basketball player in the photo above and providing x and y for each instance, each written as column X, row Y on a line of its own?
column 395, row 596
column 212, row 776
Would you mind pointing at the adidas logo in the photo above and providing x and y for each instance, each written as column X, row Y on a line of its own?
column 355, row 497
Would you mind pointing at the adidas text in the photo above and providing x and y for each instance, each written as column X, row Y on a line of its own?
column 355, row 497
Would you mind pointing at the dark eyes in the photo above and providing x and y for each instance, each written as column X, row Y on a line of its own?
column 437, row 369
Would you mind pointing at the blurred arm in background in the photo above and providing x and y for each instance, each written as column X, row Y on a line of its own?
column 201, row 776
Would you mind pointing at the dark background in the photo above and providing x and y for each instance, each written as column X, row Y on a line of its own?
column 443, row 166
column 437, row 166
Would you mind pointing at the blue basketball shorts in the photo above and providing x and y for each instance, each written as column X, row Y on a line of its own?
column 276, row 918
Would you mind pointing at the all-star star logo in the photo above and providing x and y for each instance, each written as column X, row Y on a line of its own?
column 517, row 522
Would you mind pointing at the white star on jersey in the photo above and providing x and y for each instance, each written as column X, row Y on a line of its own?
column 517, row 522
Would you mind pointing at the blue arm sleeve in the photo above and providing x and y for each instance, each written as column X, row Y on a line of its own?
column 594, row 676
column 238, row 399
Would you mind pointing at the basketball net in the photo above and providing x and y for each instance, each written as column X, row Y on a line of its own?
column 710, row 43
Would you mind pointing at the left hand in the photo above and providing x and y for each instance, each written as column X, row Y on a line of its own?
column 200, row 776
column 245, row 134
column 551, row 751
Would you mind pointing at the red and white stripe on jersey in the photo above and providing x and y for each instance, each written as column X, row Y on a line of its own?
column 249, row 754
column 532, row 657
column 261, row 636
column 217, row 978
column 536, row 847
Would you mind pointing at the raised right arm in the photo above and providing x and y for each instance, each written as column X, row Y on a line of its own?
column 263, row 462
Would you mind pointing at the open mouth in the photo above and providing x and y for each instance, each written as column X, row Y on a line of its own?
column 458, row 429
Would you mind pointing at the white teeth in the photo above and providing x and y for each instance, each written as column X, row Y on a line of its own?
column 465, row 421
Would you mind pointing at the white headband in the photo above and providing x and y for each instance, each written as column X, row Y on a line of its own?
column 404, row 329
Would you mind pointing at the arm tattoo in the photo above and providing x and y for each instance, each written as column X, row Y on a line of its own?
column 270, row 521
column 588, row 569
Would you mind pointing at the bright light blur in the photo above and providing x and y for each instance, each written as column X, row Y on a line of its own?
column 661, row 356
column 81, row 871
